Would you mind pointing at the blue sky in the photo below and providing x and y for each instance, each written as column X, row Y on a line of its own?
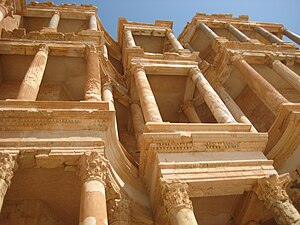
column 182, row 11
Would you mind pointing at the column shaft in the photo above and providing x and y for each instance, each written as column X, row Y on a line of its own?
column 146, row 97
column 93, row 172
column 291, row 35
column 3, row 12
column 93, row 23
column 190, row 112
column 107, row 94
column 31, row 83
column 175, row 43
column 268, row 35
column 287, row 74
column 93, row 203
column 138, row 122
column 92, row 79
column 209, row 33
column 129, row 39
column 213, row 101
column 233, row 107
column 265, row 91
column 237, row 33
column 7, row 164
column 183, row 217
column 54, row 21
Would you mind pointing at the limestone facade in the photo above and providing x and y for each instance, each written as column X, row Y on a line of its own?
column 148, row 128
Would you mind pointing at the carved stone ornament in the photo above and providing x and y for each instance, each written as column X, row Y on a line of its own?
column 93, row 166
column 175, row 195
column 119, row 210
column 7, row 164
column 89, row 49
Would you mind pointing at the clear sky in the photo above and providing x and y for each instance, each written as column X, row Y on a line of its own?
column 182, row 11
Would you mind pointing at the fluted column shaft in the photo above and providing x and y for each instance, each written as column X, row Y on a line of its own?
column 190, row 112
column 138, row 122
column 263, row 89
column 146, row 97
column 271, row 191
column 93, row 23
column 93, row 170
column 175, row 43
column 177, row 203
column 291, row 35
column 92, row 91
column 7, row 164
column 54, row 21
column 233, row 107
column 209, row 33
column 129, row 39
column 213, row 101
column 31, row 83
column 237, row 33
column 268, row 35
column 286, row 73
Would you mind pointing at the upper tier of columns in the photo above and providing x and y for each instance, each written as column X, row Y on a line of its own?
column 54, row 21
column 93, row 23
column 175, row 43
column 268, row 35
column 263, row 89
column 291, row 35
column 237, row 33
column 213, row 101
column 6, row 8
column 31, row 83
column 129, row 40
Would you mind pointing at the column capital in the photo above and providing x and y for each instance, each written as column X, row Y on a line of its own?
column 7, row 165
column 186, row 105
column 194, row 71
column 90, row 48
column 7, row 6
column 138, row 67
column 175, row 195
column 56, row 12
column 119, row 210
column 93, row 166
column 272, row 189
column 44, row 48
column 270, row 58
column 235, row 57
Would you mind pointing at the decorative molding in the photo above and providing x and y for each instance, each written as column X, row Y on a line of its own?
column 175, row 195
column 93, row 166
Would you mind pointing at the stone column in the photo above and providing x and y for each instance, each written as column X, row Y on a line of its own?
column 175, row 43
column 263, row 89
column 146, row 97
column 53, row 24
column 190, row 112
column 107, row 94
column 286, row 73
column 7, row 165
column 138, row 122
column 93, row 172
column 93, row 23
column 268, row 35
column 291, row 35
column 213, row 101
column 271, row 191
column 237, row 33
column 129, row 39
column 177, row 203
column 233, row 107
column 31, row 83
column 119, row 211
column 209, row 33
column 92, row 91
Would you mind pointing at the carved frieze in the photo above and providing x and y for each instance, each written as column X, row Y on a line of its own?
column 175, row 195
column 93, row 165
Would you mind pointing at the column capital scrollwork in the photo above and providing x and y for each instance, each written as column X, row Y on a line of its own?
column 175, row 195
column 194, row 71
column 234, row 56
column 7, row 166
column 93, row 166
column 269, row 59
column 90, row 48
column 138, row 67
column 272, row 189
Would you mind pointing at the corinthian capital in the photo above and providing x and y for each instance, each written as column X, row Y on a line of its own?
column 119, row 210
column 7, row 164
column 93, row 166
column 272, row 189
column 175, row 195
